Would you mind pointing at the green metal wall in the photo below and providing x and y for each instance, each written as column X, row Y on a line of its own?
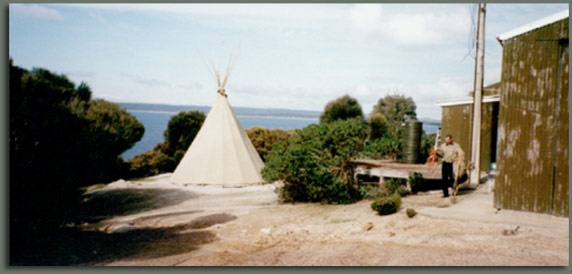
column 533, row 122
column 457, row 121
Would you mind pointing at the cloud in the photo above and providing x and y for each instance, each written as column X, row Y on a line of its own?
column 81, row 74
column 194, row 85
column 35, row 11
column 366, row 16
column 413, row 28
column 146, row 81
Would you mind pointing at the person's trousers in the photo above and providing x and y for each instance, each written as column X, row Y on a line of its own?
column 448, row 177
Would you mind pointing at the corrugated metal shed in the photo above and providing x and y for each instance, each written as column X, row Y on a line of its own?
column 457, row 118
column 533, row 119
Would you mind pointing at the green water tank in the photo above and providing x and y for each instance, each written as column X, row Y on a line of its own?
column 412, row 141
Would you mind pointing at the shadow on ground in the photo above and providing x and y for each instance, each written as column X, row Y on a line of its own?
column 105, row 204
column 71, row 246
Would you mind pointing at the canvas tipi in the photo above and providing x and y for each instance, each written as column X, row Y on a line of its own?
column 221, row 153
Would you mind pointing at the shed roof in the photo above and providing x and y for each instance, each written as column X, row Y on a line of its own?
column 533, row 25
column 467, row 100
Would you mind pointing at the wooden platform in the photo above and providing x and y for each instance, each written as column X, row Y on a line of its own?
column 392, row 169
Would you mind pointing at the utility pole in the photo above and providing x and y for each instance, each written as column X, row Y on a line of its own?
column 478, row 97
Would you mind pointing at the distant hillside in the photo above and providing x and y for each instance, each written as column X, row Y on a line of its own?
column 264, row 112
column 430, row 121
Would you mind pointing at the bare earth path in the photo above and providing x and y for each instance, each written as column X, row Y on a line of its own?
column 247, row 226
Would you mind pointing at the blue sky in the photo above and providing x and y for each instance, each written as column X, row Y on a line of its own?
column 289, row 56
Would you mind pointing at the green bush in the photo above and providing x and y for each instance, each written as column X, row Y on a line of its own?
column 392, row 185
column 263, row 139
column 164, row 157
column 341, row 108
column 314, row 163
column 182, row 129
column 410, row 212
column 383, row 148
column 387, row 205
column 402, row 191
column 60, row 140
column 378, row 125
column 416, row 181
column 371, row 192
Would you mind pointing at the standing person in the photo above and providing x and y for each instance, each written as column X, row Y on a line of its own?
column 449, row 151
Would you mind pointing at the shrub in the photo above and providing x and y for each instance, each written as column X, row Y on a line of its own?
column 60, row 140
column 164, row 157
column 314, row 163
column 383, row 148
column 182, row 129
column 387, row 205
column 416, row 181
column 371, row 192
column 378, row 125
column 392, row 185
column 402, row 191
column 341, row 108
column 263, row 139
column 410, row 212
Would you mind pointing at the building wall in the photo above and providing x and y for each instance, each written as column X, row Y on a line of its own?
column 457, row 121
column 533, row 122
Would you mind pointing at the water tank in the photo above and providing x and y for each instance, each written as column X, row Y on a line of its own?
column 412, row 141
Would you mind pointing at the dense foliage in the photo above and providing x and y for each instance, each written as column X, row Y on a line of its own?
column 314, row 163
column 164, row 157
column 182, row 129
column 416, row 181
column 263, row 139
column 386, row 205
column 61, row 140
column 341, row 108
column 396, row 109
column 378, row 126
column 382, row 148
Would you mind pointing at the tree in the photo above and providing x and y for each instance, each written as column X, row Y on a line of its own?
column 60, row 140
column 396, row 108
column 341, row 108
column 164, row 157
column 182, row 129
column 263, row 139
column 378, row 125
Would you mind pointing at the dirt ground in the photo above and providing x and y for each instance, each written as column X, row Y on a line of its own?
column 153, row 222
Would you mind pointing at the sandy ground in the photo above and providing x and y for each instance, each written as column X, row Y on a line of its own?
column 164, row 224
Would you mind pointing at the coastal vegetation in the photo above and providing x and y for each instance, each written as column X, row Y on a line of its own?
column 164, row 157
column 263, row 139
column 341, row 108
column 60, row 140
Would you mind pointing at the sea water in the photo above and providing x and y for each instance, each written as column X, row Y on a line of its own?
column 155, row 123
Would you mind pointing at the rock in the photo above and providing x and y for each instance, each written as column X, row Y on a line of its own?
column 368, row 227
column 265, row 230
column 510, row 231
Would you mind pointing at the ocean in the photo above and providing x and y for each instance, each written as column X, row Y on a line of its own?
column 155, row 123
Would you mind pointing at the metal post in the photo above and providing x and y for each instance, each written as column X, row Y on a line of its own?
column 478, row 96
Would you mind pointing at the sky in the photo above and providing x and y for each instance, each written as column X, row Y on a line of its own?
column 295, row 56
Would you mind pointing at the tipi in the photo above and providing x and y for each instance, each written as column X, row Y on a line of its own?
column 221, row 153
